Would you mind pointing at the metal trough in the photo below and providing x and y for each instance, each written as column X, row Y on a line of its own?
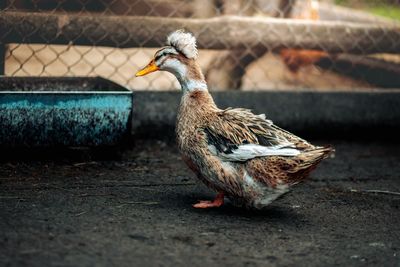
column 53, row 111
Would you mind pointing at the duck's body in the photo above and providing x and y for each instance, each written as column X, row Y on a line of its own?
column 238, row 154
column 208, row 139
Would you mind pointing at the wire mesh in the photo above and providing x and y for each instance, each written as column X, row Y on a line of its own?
column 249, row 67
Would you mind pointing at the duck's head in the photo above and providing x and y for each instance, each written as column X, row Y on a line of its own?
column 179, row 58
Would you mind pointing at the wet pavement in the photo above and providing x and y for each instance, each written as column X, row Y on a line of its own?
column 136, row 211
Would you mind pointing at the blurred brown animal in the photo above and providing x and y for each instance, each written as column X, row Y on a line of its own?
column 294, row 59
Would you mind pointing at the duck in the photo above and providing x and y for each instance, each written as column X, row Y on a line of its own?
column 242, row 156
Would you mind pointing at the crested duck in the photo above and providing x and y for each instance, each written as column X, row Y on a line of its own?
column 240, row 155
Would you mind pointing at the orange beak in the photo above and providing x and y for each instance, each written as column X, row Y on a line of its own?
column 151, row 67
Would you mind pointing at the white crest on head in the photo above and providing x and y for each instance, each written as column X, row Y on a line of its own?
column 184, row 42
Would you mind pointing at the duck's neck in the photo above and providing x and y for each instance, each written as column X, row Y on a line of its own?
column 190, row 77
column 190, row 85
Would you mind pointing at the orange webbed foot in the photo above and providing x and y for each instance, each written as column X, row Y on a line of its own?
column 205, row 204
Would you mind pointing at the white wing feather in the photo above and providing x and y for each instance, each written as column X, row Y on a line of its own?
column 249, row 151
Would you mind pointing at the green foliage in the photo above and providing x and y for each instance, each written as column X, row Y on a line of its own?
column 392, row 12
column 385, row 8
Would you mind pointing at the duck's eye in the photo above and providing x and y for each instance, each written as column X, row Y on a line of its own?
column 158, row 57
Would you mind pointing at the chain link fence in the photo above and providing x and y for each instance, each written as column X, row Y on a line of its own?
column 245, row 45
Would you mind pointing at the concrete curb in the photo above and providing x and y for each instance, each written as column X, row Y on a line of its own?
column 358, row 114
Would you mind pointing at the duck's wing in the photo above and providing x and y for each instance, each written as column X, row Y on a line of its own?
column 240, row 135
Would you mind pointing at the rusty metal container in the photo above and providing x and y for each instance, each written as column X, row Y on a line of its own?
column 53, row 111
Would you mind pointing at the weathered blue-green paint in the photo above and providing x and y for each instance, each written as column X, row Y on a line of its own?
column 67, row 118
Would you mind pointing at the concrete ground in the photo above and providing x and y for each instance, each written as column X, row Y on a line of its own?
column 136, row 211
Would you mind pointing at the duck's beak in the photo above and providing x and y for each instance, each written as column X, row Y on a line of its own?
column 151, row 67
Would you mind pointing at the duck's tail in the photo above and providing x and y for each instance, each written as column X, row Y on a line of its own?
column 308, row 161
column 323, row 152
column 315, row 155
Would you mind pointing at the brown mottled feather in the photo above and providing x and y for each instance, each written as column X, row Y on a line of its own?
column 289, row 170
column 198, row 112
column 198, row 117
column 240, row 124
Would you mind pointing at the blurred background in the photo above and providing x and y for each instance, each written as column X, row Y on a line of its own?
column 255, row 65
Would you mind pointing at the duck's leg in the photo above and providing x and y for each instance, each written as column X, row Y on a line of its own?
column 205, row 204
